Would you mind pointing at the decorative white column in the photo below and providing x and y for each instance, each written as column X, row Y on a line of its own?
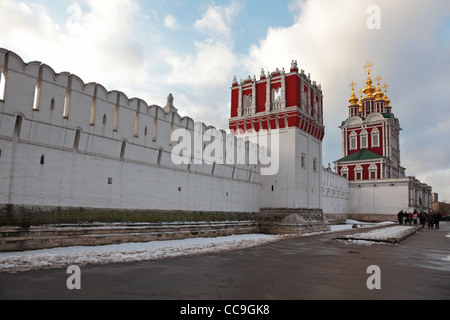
column 253, row 110
column 268, row 93
column 240, row 100
column 283, row 90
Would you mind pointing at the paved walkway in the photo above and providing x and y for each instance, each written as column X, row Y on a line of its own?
column 311, row 268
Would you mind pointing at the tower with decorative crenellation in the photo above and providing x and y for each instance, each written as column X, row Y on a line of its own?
column 291, row 104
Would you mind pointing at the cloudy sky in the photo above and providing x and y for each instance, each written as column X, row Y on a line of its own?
column 192, row 49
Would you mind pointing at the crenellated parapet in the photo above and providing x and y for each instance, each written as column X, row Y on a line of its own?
column 61, row 111
column 66, row 143
column 278, row 100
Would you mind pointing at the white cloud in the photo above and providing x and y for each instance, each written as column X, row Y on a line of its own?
column 171, row 22
column 97, row 44
column 330, row 40
column 216, row 22
column 204, row 76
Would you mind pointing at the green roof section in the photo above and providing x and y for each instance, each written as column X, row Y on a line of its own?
column 362, row 154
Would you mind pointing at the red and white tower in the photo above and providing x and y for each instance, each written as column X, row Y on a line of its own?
column 292, row 104
column 370, row 136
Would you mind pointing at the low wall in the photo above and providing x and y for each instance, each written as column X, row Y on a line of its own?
column 13, row 239
column 291, row 221
column 373, row 218
column 27, row 216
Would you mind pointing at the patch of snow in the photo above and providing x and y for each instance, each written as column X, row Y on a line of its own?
column 134, row 252
column 382, row 234
column 128, row 252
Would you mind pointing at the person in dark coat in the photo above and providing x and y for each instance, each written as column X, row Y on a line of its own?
column 405, row 217
column 400, row 217
column 437, row 218
column 430, row 220
column 408, row 218
column 423, row 219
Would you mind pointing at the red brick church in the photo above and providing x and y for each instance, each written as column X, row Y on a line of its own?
column 370, row 135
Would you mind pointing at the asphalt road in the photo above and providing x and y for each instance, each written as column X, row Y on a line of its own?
column 310, row 268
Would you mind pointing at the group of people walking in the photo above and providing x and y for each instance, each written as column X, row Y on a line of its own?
column 431, row 218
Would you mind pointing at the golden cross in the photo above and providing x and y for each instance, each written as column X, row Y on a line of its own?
column 385, row 87
column 368, row 66
column 353, row 84
column 378, row 79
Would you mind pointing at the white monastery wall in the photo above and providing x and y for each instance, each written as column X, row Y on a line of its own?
column 389, row 196
column 335, row 193
column 385, row 197
column 297, row 184
column 64, row 143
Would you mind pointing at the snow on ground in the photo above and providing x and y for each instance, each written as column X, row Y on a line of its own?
column 128, row 252
column 134, row 252
column 388, row 234
column 382, row 234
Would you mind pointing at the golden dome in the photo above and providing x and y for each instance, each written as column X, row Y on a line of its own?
column 360, row 101
column 353, row 99
column 385, row 98
column 378, row 94
column 369, row 90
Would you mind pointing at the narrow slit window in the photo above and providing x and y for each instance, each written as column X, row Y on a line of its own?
column 68, row 96
column 76, row 143
column 37, row 91
column 155, row 126
column 123, row 150
column 3, row 77
column 213, row 169
column 2, row 86
column 136, row 121
column 160, row 153
column 17, row 129
column 171, row 129
column 36, row 98
column 116, row 114
column 93, row 107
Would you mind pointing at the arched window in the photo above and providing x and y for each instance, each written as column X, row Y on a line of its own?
column 375, row 138
column 358, row 172
column 373, row 172
column 248, row 102
column 364, row 139
column 353, row 142
column 344, row 172
column 276, row 98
